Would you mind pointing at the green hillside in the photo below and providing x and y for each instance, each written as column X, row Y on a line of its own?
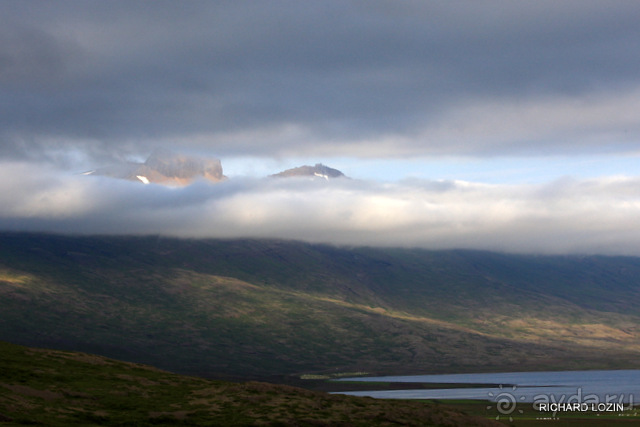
column 54, row 388
column 265, row 308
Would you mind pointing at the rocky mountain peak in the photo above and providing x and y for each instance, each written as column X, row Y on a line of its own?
column 167, row 168
column 318, row 171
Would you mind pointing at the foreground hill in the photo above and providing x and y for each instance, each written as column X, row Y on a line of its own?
column 56, row 388
column 261, row 309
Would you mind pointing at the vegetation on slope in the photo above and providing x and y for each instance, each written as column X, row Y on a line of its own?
column 257, row 308
column 55, row 388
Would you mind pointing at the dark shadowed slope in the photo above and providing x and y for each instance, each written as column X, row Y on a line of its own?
column 256, row 308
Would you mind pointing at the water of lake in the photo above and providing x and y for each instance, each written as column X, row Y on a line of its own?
column 621, row 386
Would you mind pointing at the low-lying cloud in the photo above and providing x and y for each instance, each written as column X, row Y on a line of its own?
column 563, row 216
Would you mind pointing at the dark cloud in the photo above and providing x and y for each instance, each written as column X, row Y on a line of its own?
column 374, row 78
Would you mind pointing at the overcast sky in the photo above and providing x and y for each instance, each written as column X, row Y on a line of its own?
column 504, row 125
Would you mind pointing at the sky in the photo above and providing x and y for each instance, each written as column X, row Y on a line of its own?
column 498, row 125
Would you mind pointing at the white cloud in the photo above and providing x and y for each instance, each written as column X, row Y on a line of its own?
column 564, row 216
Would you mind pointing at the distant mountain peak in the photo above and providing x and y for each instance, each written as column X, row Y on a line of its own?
column 319, row 171
column 167, row 168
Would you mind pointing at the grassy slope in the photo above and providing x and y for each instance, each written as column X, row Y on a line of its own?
column 249, row 308
column 55, row 388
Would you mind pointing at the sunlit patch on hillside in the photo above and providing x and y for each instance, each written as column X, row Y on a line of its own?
column 8, row 277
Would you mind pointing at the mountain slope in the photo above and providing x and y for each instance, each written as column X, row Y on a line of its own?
column 257, row 308
column 55, row 388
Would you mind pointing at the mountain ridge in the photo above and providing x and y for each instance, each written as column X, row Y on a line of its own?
column 263, row 308
column 178, row 170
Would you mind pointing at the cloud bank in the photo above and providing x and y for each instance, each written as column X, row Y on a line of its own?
column 564, row 216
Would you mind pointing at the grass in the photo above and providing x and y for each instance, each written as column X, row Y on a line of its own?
column 55, row 388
